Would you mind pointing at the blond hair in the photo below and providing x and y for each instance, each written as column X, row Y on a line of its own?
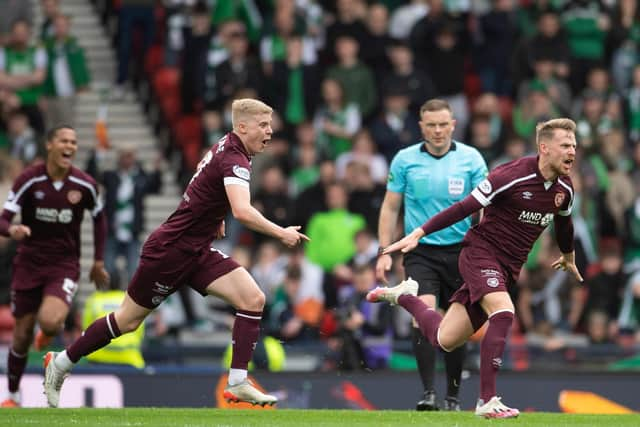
column 545, row 130
column 246, row 108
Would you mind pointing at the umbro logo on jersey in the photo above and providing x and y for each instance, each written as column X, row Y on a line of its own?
column 527, row 195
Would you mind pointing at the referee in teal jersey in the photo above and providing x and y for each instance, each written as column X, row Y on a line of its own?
column 429, row 177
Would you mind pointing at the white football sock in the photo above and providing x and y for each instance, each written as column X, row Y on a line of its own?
column 236, row 376
column 62, row 361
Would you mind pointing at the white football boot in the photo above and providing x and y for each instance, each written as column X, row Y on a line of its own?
column 53, row 379
column 246, row 392
column 383, row 293
column 494, row 408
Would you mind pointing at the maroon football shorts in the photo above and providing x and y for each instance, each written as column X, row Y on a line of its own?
column 163, row 270
column 31, row 283
column 482, row 274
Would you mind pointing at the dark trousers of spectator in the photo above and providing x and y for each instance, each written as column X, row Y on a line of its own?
column 129, row 18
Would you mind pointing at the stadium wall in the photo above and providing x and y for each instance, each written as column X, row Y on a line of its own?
column 178, row 387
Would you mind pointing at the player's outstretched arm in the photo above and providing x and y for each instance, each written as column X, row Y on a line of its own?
column 407, row 243
column 240, row 201
column 444, row 219
column 567, row 262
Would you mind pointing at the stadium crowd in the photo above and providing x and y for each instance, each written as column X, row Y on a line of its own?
column 346, row 80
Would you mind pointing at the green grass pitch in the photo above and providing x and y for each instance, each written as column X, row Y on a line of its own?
column 158, row 417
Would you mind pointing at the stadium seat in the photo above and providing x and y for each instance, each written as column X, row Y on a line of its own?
column 166, row 82
column 153, row 60
column 188, row 128
column 170, row 109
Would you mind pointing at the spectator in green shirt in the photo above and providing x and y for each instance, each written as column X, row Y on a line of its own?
column 332, row 232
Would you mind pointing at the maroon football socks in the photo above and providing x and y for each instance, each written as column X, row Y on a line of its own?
column 97, row 335
column 15, row 368
column 428, row 319
column 245, row 333
column 491, row 350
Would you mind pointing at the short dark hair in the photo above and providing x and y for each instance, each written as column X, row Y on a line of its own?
column 51, row 133
column 435, row 104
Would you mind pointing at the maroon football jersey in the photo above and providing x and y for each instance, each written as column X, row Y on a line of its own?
column 54, row 212
column 204, row 204
column 518, row 205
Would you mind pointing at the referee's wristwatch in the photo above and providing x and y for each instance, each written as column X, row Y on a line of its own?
column 380, row 252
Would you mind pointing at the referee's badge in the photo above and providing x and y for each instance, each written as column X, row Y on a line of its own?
column 456, row 186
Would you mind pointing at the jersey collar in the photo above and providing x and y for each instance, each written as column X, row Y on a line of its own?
column 547, row 184
column 452, row 147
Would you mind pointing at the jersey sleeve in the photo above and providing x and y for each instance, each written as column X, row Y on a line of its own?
column 236, row 169
column 567, row 204
column 490, row 188
column 397, row 181
column 479, row 169
column 18, row 192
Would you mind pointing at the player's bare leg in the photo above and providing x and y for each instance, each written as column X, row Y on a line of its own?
column 100, row 333
column 500, row 310
column 240, row 290
column 17, row 357
column 51, row 316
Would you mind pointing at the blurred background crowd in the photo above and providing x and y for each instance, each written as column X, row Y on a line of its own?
column 346, row 79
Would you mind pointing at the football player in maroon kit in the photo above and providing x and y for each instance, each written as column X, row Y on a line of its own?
column 179, row 253
column 520, row 199
column 51, row 199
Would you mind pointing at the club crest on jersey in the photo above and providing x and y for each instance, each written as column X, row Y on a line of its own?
column 39, row 195
column 485, row 186
column 74, row 196
column 559, row 199
column 241, row 172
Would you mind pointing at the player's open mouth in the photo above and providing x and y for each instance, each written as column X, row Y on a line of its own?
column 67, row 154
column 568, row 162
column 266, row 141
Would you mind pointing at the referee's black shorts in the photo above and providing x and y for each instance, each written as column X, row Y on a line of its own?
column 435, row 268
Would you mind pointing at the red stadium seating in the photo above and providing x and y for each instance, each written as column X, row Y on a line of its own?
column 153, row 60
column 188, row 128
column 166, row 82
column 170, row 109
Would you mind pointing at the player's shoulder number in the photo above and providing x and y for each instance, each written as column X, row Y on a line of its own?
column 201, row 164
